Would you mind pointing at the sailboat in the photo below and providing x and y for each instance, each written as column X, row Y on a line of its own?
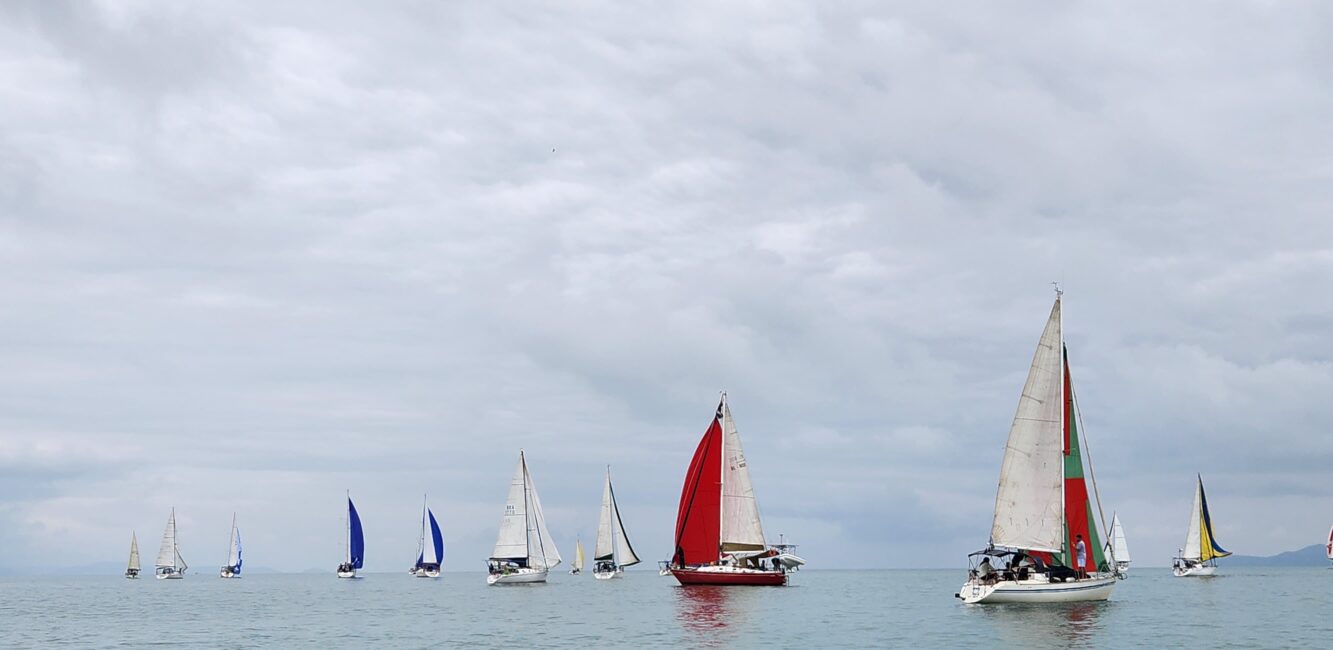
column 429, row 557
column 1118, row 548
column 170, row 564
column 1327, row 547
column 356, row 544
column 233, row 566
column 1043, row 528
column 719, row 537
column 1199, row 557
column 523, row 551
column 612, row 553
column 132, row 571
column 577, row 567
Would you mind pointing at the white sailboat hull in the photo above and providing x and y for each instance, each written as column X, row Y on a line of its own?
column 518, row 576
column 228, row 573
column 170, row 576
column 424, row 573
column 1194, row 571
column 609, row 575
column 1037, row 590
column 347, row 574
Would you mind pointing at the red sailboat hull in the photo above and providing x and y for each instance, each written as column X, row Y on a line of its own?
column 704, row 577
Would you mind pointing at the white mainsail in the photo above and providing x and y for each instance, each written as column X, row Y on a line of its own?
column 1194, row 538
column 1030, row 496
column 234, row 548
column 541, row 550
column 167, row 554
column 741, row 529
column 604, row 549
column 134, row 552
column 578, row 556
column 512, row 541
column 1119, row 547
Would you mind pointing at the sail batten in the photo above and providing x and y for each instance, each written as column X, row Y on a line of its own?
column 1030, row 498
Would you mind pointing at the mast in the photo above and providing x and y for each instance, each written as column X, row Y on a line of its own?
column 347, row 536
column 722, row 478
column 1064, row 426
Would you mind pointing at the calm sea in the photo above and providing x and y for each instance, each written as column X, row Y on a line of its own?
column 1245, row 608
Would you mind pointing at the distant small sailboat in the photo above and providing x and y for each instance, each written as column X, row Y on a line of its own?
column 233, row 566
column 1118, row 549
column 612, row 553
column 170, row 564
column 1043, row 527
column 577, row 567
column 1199, row 557
column 429, row 556
column 1327, row 547
column 132, row 571
column 719, row 538
column 356, row 543
column 523, row 551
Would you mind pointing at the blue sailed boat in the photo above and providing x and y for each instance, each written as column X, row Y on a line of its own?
column 356, row 543
column 429, row 557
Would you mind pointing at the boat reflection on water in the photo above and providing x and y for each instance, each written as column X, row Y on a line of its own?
column 1044, row 624
column 702, row 608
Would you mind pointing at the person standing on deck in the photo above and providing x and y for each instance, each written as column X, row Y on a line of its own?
column 1080, row 556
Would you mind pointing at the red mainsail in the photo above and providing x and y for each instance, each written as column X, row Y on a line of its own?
column 699, row 520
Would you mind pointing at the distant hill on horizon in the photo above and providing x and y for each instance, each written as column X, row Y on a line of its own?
column 1312, row 555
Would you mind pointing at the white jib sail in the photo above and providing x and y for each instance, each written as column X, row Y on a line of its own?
column 1194, row 538
column 541, row 549
column 134, row 552
column 741, row 529
column 603, row 549
column 512, row 541
column 1030, row 497
column 166, row 554
column 1119, row 547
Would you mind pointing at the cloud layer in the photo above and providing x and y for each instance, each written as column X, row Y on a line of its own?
column 255, row 256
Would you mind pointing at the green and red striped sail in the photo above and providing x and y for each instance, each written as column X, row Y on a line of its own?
column 1079, row 519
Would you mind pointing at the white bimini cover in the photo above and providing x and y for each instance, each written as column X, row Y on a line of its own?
column 1030, row 497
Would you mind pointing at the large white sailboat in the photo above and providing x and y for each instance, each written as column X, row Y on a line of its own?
column 430, row 556
column 132, row 571
column 1199, row 557
column 524, row 551
column 1044, row 534
column 233, row 567
column 613, row 552
column 1118, row 549
column 170, row 565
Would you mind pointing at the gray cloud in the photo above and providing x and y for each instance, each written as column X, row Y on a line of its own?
column 256, row 256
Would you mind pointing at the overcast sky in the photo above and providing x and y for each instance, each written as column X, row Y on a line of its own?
column 258, row 254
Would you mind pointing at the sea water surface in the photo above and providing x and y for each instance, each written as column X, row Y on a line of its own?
column 1243, row 608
